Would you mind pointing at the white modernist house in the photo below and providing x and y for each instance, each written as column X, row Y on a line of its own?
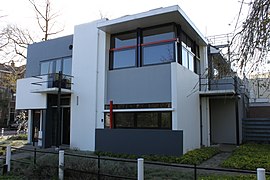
column 127, row 85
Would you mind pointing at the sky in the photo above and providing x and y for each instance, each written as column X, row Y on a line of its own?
column 212, row 17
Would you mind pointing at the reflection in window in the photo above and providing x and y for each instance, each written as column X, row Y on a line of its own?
column 67, row 63
column 156, row 54
column 158, row 34
column 140, row 120
column 124, row 58
column 123, row 51
column 46, row 67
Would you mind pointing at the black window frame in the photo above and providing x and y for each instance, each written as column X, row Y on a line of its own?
column 138, row 54
column 135, row 118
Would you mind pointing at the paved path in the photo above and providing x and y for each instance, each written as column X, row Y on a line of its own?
column 216, row 160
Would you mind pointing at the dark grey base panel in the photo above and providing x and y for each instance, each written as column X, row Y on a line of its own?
column 140, row 141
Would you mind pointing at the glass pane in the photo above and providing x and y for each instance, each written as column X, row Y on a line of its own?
column 156, row 54
column 158, row 34
column 67, row 64
column 147, row 120
column 124, row 58
column 190, row 61
column 184, row 57
column 58, row 66
column 46, row 67
column 124, row 120
column 128, row 39
column 166, row 120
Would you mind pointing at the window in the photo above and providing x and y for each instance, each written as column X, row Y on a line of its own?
column 123, row 51
column 147, row 46
column 140, row 120
column 187, row 57
column 52, row 67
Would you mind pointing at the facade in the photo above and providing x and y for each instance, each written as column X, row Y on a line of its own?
column 128, row 85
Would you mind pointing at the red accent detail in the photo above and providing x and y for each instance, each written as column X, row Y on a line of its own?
column 111, row 114
column 122, row 48
column 158, row 42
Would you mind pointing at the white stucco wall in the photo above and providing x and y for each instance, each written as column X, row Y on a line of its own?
column 25, row 98
column 186, row 104
column 88, row 42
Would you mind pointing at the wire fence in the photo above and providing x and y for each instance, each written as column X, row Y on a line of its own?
column 36, row 163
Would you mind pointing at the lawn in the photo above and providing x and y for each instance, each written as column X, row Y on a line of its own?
column 249, row 157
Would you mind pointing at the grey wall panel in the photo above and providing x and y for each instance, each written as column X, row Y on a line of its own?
column 46, row 50
column 223, row 121
column 140, row 141
column 140, row 85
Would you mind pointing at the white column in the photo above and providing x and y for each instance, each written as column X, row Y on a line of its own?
column 61, row 165
column 260, row 174
column 29, row 132
column 140, row 169
column 8, row 157
column 205, row 116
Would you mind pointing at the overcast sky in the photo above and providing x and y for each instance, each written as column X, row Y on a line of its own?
column 212, row 17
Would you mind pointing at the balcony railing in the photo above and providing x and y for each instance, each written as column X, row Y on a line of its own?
column 52, row 82
column 228, row 84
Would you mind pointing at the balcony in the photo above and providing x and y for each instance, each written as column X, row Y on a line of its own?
column 49, row 83
column 229, row 85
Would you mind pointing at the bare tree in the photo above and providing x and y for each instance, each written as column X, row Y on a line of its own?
column 253, row 41
column 46, row 18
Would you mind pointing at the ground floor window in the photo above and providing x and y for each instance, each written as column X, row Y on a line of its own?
column 140, row 120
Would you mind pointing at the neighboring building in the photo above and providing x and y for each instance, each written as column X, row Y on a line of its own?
column 129, row 85
column 8, row 75
column 259, row 88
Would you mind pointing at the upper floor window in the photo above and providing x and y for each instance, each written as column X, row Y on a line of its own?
column 147, row 46
column 158, row 45
column 51, row 68
column 56, row 65
column 123, row 51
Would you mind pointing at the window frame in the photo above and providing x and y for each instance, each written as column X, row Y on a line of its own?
column 139, row 45
column 135, row 118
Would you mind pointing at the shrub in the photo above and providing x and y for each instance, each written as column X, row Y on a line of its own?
column 18, row 137
column 250, row 157
column 193, row 157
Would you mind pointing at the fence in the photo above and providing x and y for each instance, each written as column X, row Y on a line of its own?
column 63, row 165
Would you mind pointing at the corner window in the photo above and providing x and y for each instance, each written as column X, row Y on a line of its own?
column 155, row 45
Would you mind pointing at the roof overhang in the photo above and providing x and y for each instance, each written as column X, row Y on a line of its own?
column 151, row 18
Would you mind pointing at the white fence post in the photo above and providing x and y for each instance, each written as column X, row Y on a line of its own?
column 2, row 132
column 8, row 157
column 61, row 165
column 140, row 170
column 260, row 174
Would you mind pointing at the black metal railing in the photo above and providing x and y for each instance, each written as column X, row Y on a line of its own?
column 85, row 166
column 233, row 83
column 53, row 80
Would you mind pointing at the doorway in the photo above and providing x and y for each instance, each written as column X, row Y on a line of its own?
column 65, row 126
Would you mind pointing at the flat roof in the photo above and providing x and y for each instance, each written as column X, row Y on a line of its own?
column 151, row 18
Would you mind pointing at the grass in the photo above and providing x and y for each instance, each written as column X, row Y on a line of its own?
column 249, row 157
column 193, row 157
